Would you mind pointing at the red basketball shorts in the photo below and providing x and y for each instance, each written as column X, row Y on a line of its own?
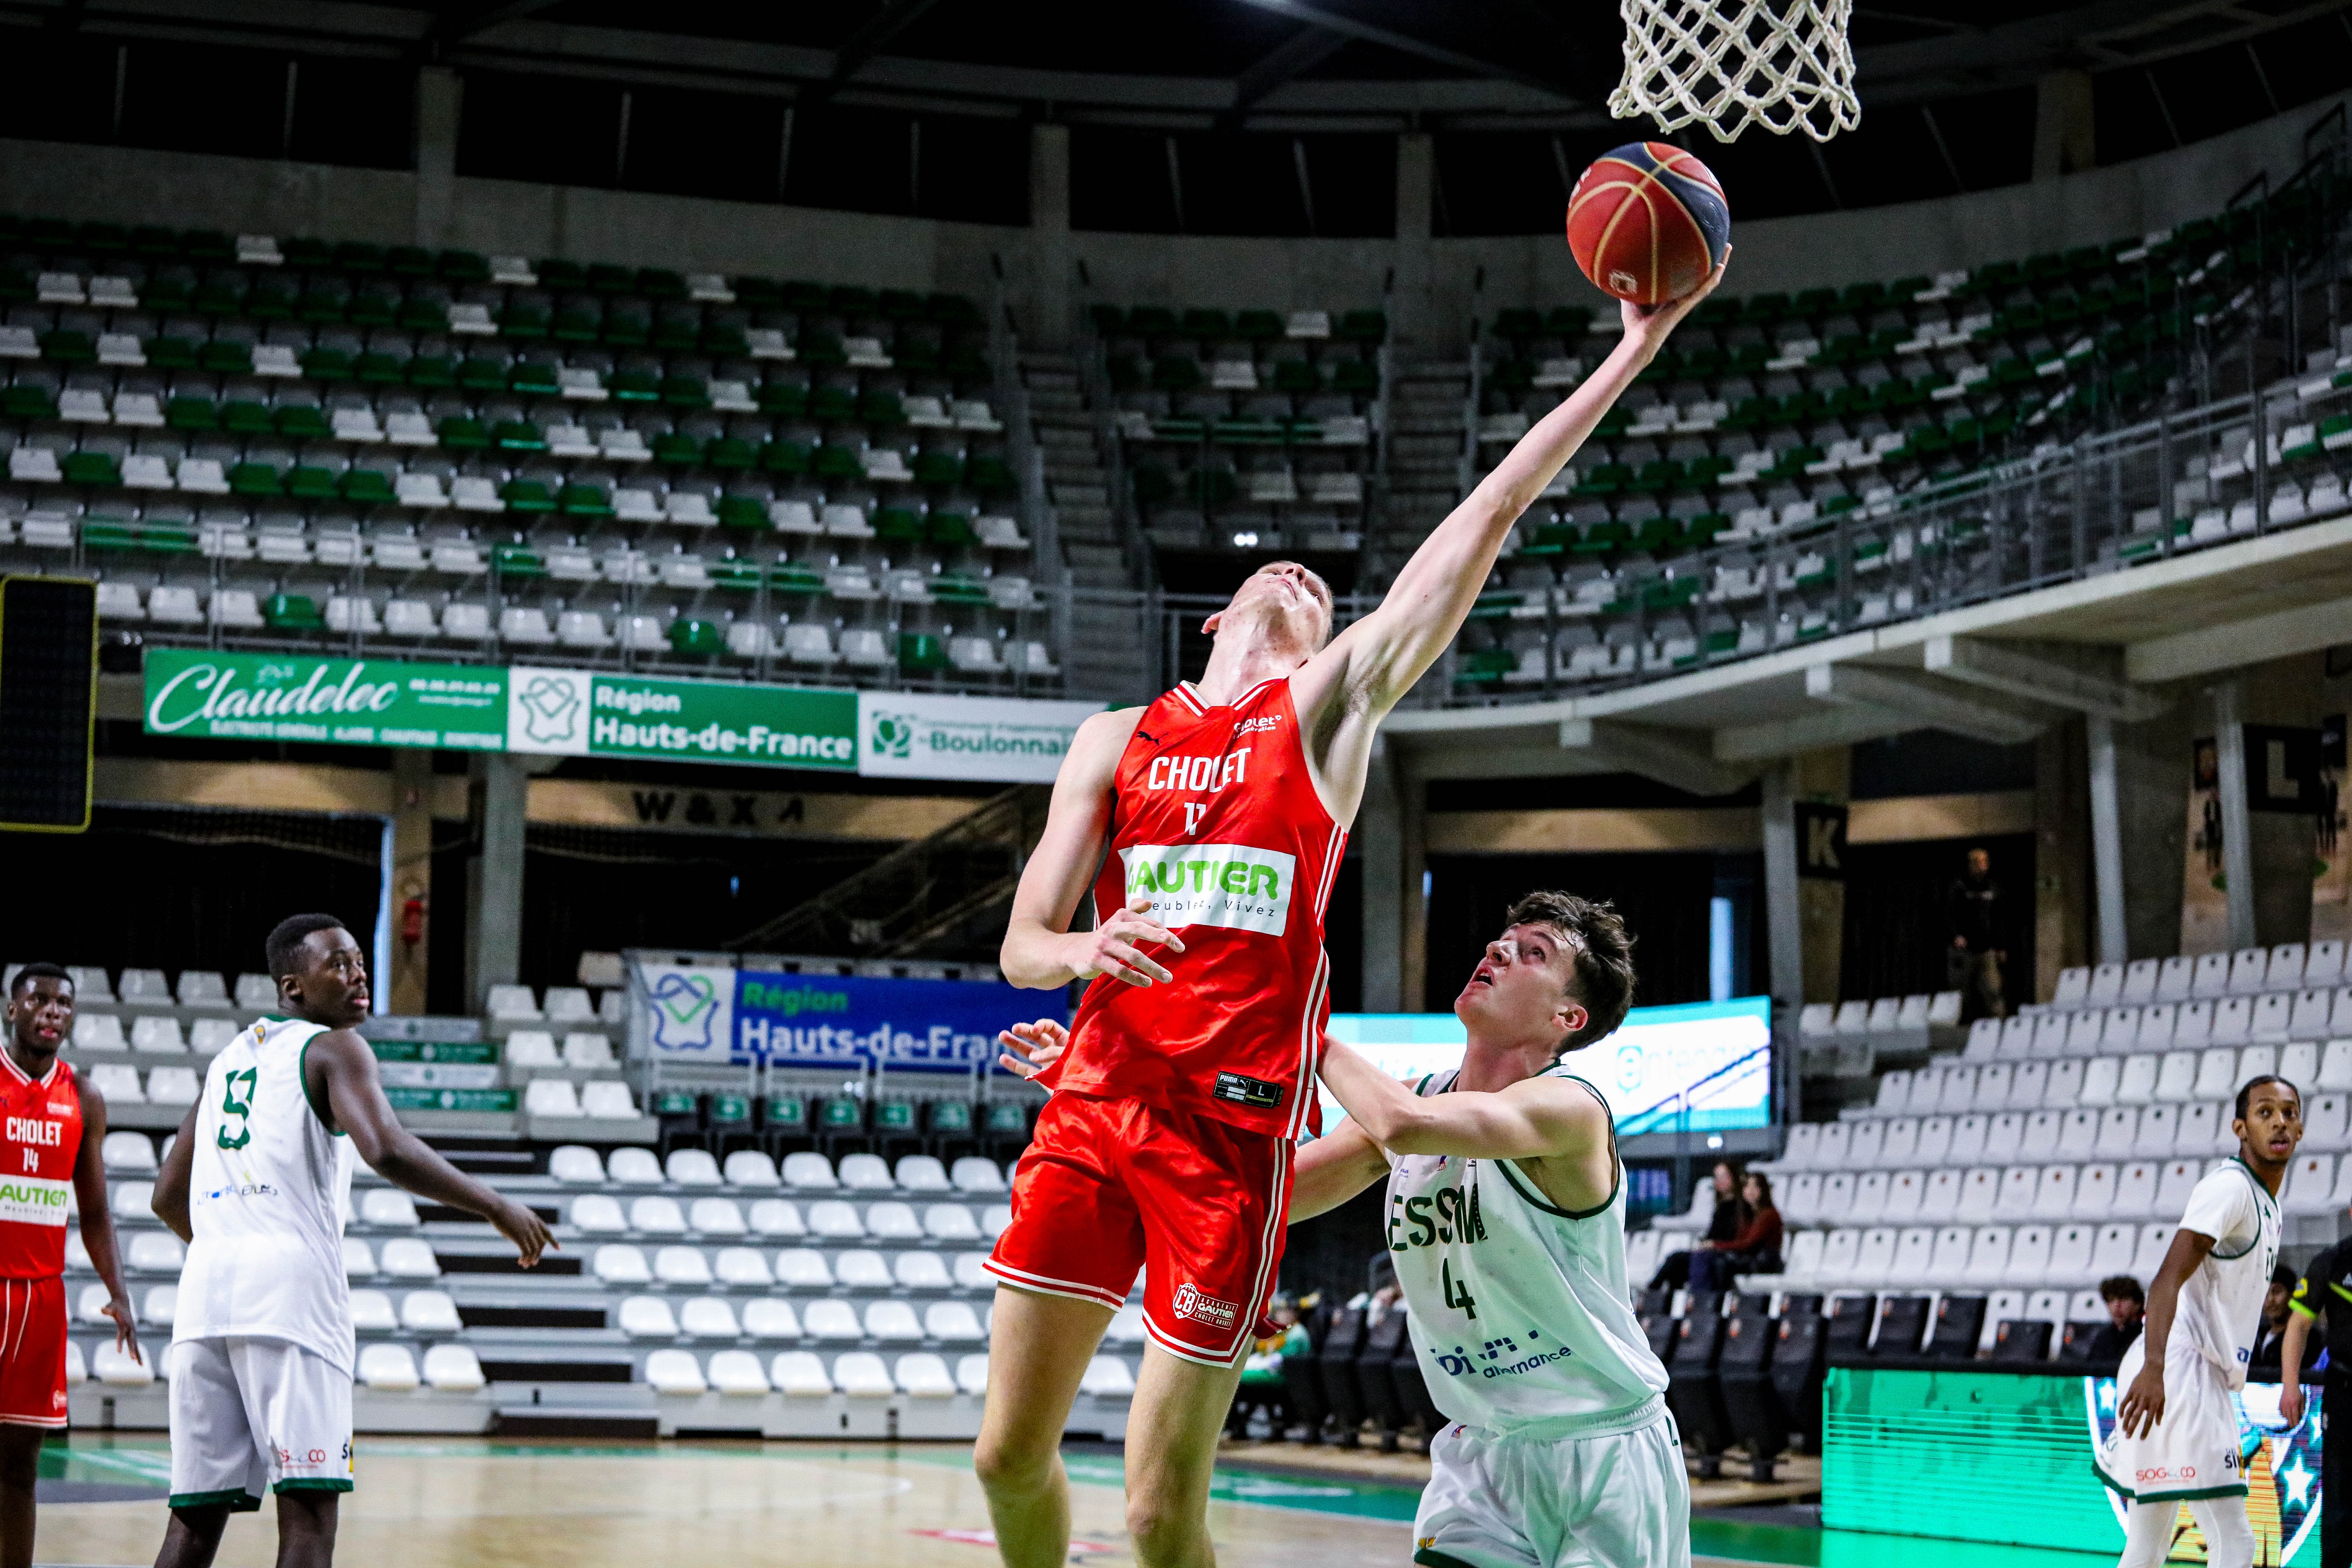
column 1108, row 1186
column 32, row 1352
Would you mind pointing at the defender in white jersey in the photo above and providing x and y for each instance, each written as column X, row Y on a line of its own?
column 256, row 1183
column 2175, row 1439
column 1507, row 1222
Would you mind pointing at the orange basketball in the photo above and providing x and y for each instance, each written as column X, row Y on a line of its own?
column 1648, row 221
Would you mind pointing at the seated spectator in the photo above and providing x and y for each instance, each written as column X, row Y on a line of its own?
column 1755, row 1248
column 2263, row 1365
column 2126, row 1305
column 1261, row 1386
column 1730, row 1215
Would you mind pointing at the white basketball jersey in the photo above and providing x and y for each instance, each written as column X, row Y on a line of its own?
column 1521, row 1316
column 2221, row 1308
column 267, row 1203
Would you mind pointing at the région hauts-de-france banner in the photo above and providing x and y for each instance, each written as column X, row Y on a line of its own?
column 696, row 1013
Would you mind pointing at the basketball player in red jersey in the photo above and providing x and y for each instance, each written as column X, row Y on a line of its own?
column 1217, row 817
column 54, row 1123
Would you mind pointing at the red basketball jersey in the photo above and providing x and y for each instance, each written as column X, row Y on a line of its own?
column 1214, row 816
column 43, row 1136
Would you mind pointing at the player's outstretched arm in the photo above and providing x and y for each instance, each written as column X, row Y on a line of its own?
column 1041, row 952
column 1534, row 1118
column 2298, row 1330
column 1332, row 1169
column 2142, row 1406
column 96, row 1219
column 174, row 1181
column 1383, row 654
column 340, row 1073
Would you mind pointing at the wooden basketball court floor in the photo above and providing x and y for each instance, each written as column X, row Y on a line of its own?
column 477, row 1503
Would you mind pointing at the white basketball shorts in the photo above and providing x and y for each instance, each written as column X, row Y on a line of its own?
column 1618, row 1501
column 2190, row 1455
column 251, row 1415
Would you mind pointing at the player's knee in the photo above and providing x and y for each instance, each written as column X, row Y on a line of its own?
column 1160, row 1527
column 1010, row 1467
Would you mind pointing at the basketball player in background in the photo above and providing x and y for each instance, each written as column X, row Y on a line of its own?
column 1507, row 1224
column 56, row 1123
column 1216, row 817
column 262, row 1348
column 2175, row 1439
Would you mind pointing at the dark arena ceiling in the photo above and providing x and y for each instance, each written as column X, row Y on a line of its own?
column 733, row 97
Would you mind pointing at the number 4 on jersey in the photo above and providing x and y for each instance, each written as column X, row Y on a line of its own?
column 242, row 1108
column 1457, row 1295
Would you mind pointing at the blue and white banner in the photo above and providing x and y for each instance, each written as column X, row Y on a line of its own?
column 823, row 1020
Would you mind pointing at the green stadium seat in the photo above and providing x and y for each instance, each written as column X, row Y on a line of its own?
column 679, row 450
column 743, row 513
column 292, row 613
column 786, row 1113
column 579, row 498
column 526, row 495
column 366, row 485
column 841, row 1113
column 921, row 654
column 1361, row 327
column 91, row 469
column 697, row 639
column 254, row 479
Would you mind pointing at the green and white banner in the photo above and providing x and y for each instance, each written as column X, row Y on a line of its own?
column 596, row 713
column 332, row 702
column 557, row 711
column 915, row 736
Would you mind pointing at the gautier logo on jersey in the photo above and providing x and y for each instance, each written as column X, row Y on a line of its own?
column 1229, row 885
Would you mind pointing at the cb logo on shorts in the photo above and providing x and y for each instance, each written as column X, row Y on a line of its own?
column 1191, row 1303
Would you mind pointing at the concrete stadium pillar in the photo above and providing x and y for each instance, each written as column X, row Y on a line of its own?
column 411, row 878
column 2153, row 764
column 2065, row 139
column 2237, row 826
column 1049, row 227
column 1380, row 838
column 2114, row 940
column 1783, row 918
column 439, row 92
column 1416, row 180
column 2061, row 891
column 498, row 796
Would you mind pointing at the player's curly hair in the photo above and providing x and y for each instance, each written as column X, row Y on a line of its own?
column 283, row 950
column 1604, row 957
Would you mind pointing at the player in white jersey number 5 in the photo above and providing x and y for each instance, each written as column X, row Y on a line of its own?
column 2175, row 1439
column 1507, row 1222
column 262, row 1347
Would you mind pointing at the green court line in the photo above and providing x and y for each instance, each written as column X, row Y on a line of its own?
column 106, row 1456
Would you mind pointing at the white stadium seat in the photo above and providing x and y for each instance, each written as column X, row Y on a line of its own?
column 635, row 1167
column 831, row 1320
column 575, row 1165
column 409, row 1257
column 977, row 1174
column 921, row 1269
column 618, row 1263
column 693, row 1168
column 766, row 1317
column 707, row 1318
column 454, row 1369
column 750, row 1168
column 656, row 1215
column 388, row 1368
column 922, row 1375
column 809, row 1170
column 359, row 1258
column 799, row 1268
column 715, row 1216
column 681, row 1265
column 971, row 1373
column 892, row 1320
column 799, row 1374
column 372, row 1312
column 738, row 1374
column 598, row 1214
column 950, row 1222
column 921, row 1174
column 864, row 1173
column 647, row 1317
column 861, row 1375
column 389, row 1206
column 861, row 1269
column 675, row 1372
column 893, row 1222
column 953, row 1322
column 744, row 1266
column 1107, row 1377
column 775, row 1217
column 429, row 1312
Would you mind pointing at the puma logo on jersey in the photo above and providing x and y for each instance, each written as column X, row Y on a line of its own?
column 1230, row 884
column 1194, row 775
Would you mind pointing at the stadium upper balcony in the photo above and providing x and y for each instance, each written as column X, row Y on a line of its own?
column 1793, row 468
column 266, row 441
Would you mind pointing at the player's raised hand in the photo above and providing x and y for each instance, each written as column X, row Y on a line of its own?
column 528, row 1232
column 2143, row 1404
column 1114, row 947
column 125, row 1325
column 1030, row 1048
column 1647, row 326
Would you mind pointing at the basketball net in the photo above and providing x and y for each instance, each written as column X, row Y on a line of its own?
column 1730, row 64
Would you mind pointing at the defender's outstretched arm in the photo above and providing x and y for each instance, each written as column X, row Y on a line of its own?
column 1533, row 1119
column 1390, row 649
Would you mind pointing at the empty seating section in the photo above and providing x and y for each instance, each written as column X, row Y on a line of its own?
column 1249, row 424
column 2058, row 1147
column 1754, row 488
column 702, row 1274
column 290, row 441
